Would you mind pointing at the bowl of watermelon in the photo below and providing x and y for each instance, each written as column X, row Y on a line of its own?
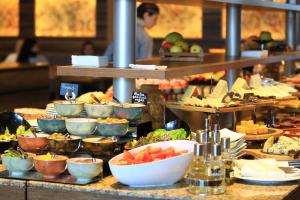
column 152, row 165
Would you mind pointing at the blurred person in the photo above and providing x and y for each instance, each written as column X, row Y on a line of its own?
column 30, row 53
column 147, row 15
column 88, row 48
column 12, row 57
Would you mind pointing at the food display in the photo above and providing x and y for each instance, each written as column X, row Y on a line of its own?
column 149, row 154
column 249, row 127
column 158, row 136
column 282, row 145
column 94, row 97
column 112, row 121
column 295, row 104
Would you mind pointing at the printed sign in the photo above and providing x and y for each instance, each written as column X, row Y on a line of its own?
column 70, row 87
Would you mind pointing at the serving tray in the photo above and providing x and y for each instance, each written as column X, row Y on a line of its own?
column 271, row 132
column 36, row 176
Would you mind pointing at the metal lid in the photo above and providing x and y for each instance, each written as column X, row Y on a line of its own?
column 201, row 136
column 198, row 149
column 225, row 142
column 216, row 150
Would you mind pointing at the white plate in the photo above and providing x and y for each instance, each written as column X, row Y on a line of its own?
column 267, row 180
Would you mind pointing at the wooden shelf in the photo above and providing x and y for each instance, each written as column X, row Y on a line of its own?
column 220, row 3
column 211, row 63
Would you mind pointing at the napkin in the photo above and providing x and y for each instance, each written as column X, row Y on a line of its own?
column 262, row 168
column 89, row 61
column 234, row 136
column 148, row 67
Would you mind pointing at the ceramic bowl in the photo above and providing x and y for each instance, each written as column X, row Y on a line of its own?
column 67, row 109
column 156, row 173
column 32, row 144
column 84, row 169
column 112, row 129
column 99, row 110
column 131, row 112
column 52, row 125
column 64, row 146
column 98, row 146
column 17, row 166
column 81, row 126
column 50, row 168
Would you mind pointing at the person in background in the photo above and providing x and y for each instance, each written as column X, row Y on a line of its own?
column 30, row 53
column 88, row 48
column 147, row 15
column 12, row 57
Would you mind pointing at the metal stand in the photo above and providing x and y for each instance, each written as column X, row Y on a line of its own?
column 233, row 38
column 290, row 38
column 124, row 46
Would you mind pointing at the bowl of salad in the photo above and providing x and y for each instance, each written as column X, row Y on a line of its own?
column 17, row 162
column 157, row 164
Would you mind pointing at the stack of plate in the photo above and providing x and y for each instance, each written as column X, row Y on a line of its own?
column 237, row 141
column 51, row 112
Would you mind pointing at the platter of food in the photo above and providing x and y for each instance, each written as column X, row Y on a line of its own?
column 257, row 131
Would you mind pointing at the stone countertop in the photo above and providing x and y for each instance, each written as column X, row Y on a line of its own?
column 110, row 186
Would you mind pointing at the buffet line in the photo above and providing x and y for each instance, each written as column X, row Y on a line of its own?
column 80, row 140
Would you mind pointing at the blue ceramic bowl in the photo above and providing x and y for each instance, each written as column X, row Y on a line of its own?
column 131, row 112
column 67, row 109
column 84, row 169
column 52, row 125
column 17, row 166
column 112, row 129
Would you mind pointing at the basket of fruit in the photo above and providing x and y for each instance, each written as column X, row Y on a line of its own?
column 174, row 48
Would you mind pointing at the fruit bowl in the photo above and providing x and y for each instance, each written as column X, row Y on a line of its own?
column 156, row 173
column 99, row 110
column 32, row 144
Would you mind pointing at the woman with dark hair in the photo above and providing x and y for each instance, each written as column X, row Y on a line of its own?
column 147, row 15
column 30, row 53
column 88, row 48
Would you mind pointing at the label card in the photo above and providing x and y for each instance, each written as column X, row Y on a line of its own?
column 70, row 87
column 139, row 97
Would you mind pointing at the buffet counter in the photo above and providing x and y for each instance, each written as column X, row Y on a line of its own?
column 109, row 189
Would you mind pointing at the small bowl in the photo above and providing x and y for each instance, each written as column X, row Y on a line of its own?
column 81, row 126
column 156, row 173
column 84, row 169
column 67, row 109
column 64, row 146
column 32, row 144
column 131, row 112
column 99, row 110
column 51, row 125
column 50, row 168
column 112, row 129
column 17, row 166
column 96, row 146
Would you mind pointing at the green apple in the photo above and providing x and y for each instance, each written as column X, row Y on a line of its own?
column 195, row 48
column 184, row 46
column 173, row 37
column 176, row 49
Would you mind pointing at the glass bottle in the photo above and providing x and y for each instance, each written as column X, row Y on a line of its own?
column 228, row 161
column 214, row 171
column 196, row 171
column 216, row 134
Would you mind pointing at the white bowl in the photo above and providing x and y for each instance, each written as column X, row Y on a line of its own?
column 81, row 126
column 156, row 173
